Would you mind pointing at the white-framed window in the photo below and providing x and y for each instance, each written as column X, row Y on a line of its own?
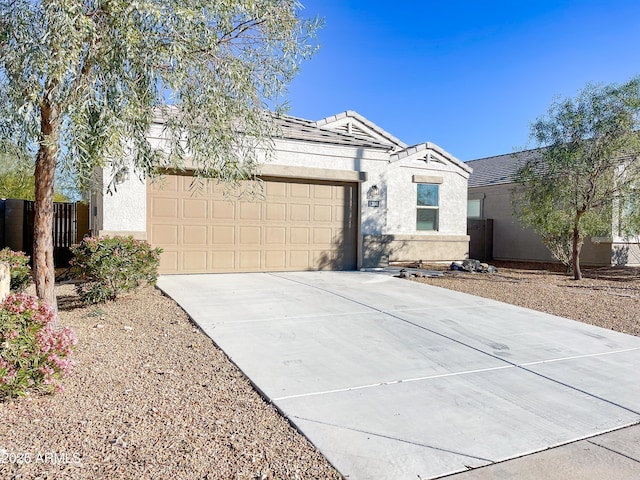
column 474, row 208
column 427, row 207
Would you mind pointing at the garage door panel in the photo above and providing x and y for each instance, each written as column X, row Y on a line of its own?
column 299, row 212
column 300, row 190
column 169, row 261
column 165, row 207
column 194, row 186
column 323, row 259
column 299, row 259
column 164, row 234
column 250, row 260
column 341, row 192
column 338, row 214
column 276, row 212
column 195, row 235
column 195, row 208
column 322, row 213
column 322, row 236
column 299, row 236
column 275, row 189
column 275, row 235
column 294, row 225
column 250, row 235
column 224, row 235
column 223, row 210
column 250, row 211
column 169, row 183
column 275, row 260
column 222, row 260
column 194, row 261
column 323, row 192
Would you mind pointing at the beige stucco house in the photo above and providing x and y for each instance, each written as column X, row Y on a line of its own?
column 490, row 193
column 341, row 193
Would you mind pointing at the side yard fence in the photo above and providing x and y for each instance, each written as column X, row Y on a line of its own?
column 70, row 224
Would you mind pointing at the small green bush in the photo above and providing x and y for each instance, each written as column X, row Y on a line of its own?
column 34, row 354
column 111, row 266
column 19, row 266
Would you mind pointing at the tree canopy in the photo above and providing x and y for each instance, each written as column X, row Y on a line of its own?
column 585, row 180
column 16, row 179
column 81, row 82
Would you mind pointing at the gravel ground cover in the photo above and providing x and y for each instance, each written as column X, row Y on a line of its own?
column 151, row 397
column 608, row 297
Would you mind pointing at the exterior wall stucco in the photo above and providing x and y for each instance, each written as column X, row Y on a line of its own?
column 513, row 242
column 125, row 211
column 393, row 220
column 403, row 200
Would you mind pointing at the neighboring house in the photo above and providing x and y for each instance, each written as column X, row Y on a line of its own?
column 490, row 198
column 341, row 193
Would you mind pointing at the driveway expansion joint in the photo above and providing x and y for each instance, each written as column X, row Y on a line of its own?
column 395, row 439
column 460, row 342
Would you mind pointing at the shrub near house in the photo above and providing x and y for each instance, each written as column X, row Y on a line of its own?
column 19, row 267
column 34, row 354
column 111, row 266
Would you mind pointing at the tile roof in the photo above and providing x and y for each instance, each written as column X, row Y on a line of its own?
column 498, row 170
column 300, row 129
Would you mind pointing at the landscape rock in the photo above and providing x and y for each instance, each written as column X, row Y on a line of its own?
column 5, row 280
column 472, row 266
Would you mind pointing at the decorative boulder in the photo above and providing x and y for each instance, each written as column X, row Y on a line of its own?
column 471, row 265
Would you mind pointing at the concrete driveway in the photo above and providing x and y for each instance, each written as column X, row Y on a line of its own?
column 392, row 379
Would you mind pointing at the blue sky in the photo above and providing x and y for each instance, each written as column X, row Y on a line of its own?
column 468, row 76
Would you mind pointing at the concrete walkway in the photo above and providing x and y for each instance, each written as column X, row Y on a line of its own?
column 392, row 379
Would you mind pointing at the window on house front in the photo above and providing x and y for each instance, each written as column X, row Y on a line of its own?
column 427, row 207
column 474, row 208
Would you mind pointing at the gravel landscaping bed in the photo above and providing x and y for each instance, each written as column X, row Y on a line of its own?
column 151, row 397
column 608, row 297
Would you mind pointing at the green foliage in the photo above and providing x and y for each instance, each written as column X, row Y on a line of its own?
column 34, row 354
column 111, row 266
column 588, row 165
column 16, row 178
column 87, row 84
column 101, row 73
column 19, row 267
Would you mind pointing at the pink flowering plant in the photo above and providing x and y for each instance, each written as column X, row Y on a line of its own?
column 34, row 353
column 19, row 266
column 111, row 266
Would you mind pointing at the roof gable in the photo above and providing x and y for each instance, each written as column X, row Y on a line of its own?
column 432, row 155
column 352, row 123
column 293, row 128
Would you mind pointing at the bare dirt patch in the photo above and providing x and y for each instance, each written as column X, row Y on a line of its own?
column 150, row 397
column 608, row 297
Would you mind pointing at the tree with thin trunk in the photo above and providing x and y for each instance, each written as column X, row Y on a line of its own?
column 585, row 179
column 81, row 83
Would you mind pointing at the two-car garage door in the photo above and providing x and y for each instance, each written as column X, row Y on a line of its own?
column 293, row 225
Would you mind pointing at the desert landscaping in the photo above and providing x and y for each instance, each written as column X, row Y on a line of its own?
column 152, row 397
